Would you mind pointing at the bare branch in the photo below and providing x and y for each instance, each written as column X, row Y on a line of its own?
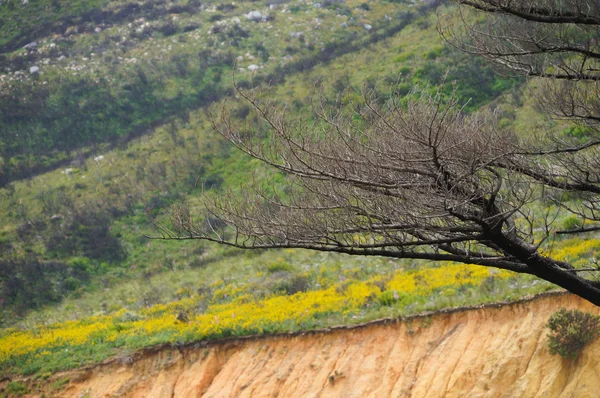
column 420, row 179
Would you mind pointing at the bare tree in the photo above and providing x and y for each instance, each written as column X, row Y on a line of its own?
column 416, row 178
column 558, row 41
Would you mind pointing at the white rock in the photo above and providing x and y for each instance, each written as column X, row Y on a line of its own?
column 99, row 158
column 34, row 69
column 367, row 26
column 255, row 16
column 252, row 67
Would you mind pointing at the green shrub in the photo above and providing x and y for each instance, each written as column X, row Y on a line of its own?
column 59, row 384
column 571, row 223
column 85, row 233
column 391, row 297
column 299, row 283
column 285, row 283
column 579, row 132
column 16, row 388
column 129, row 316
column 571, row 331
column 279, row 266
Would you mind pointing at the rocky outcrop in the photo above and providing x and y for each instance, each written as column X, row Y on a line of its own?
column 492, row 351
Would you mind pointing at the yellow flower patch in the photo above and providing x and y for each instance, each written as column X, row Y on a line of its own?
column 573, row 249
column 235, row 317
column 449, row 275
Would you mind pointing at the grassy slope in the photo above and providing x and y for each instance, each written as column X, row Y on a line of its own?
column 153, row 171
column 108, row 82
column 23, row 21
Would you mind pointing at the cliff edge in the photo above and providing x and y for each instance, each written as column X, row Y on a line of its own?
column 491, row 351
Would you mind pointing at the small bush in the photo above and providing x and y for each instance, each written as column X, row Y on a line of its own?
column 391, row 297
column 279, row 266
column 128, row 316
column 299, row 283
column 572, row 223
column 59, row 384
column 571, row 331
column 16, row 388
column 580, row 132
column 284, row 283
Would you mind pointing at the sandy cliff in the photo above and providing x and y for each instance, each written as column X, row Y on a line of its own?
column 496, row 351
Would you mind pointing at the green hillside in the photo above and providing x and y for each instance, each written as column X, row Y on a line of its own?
column 106, row 122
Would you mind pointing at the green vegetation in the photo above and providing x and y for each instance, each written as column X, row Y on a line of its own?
column 571, row 331
column 15, row 388
column 116, row 128
column 96, row 89
column 59, row 384
column 248, row 296
column 23, row 21
column 79, row 229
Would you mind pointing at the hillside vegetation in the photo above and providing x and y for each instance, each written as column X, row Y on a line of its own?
column 106, row 121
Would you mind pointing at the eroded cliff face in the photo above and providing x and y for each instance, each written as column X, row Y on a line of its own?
column 496, row 351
